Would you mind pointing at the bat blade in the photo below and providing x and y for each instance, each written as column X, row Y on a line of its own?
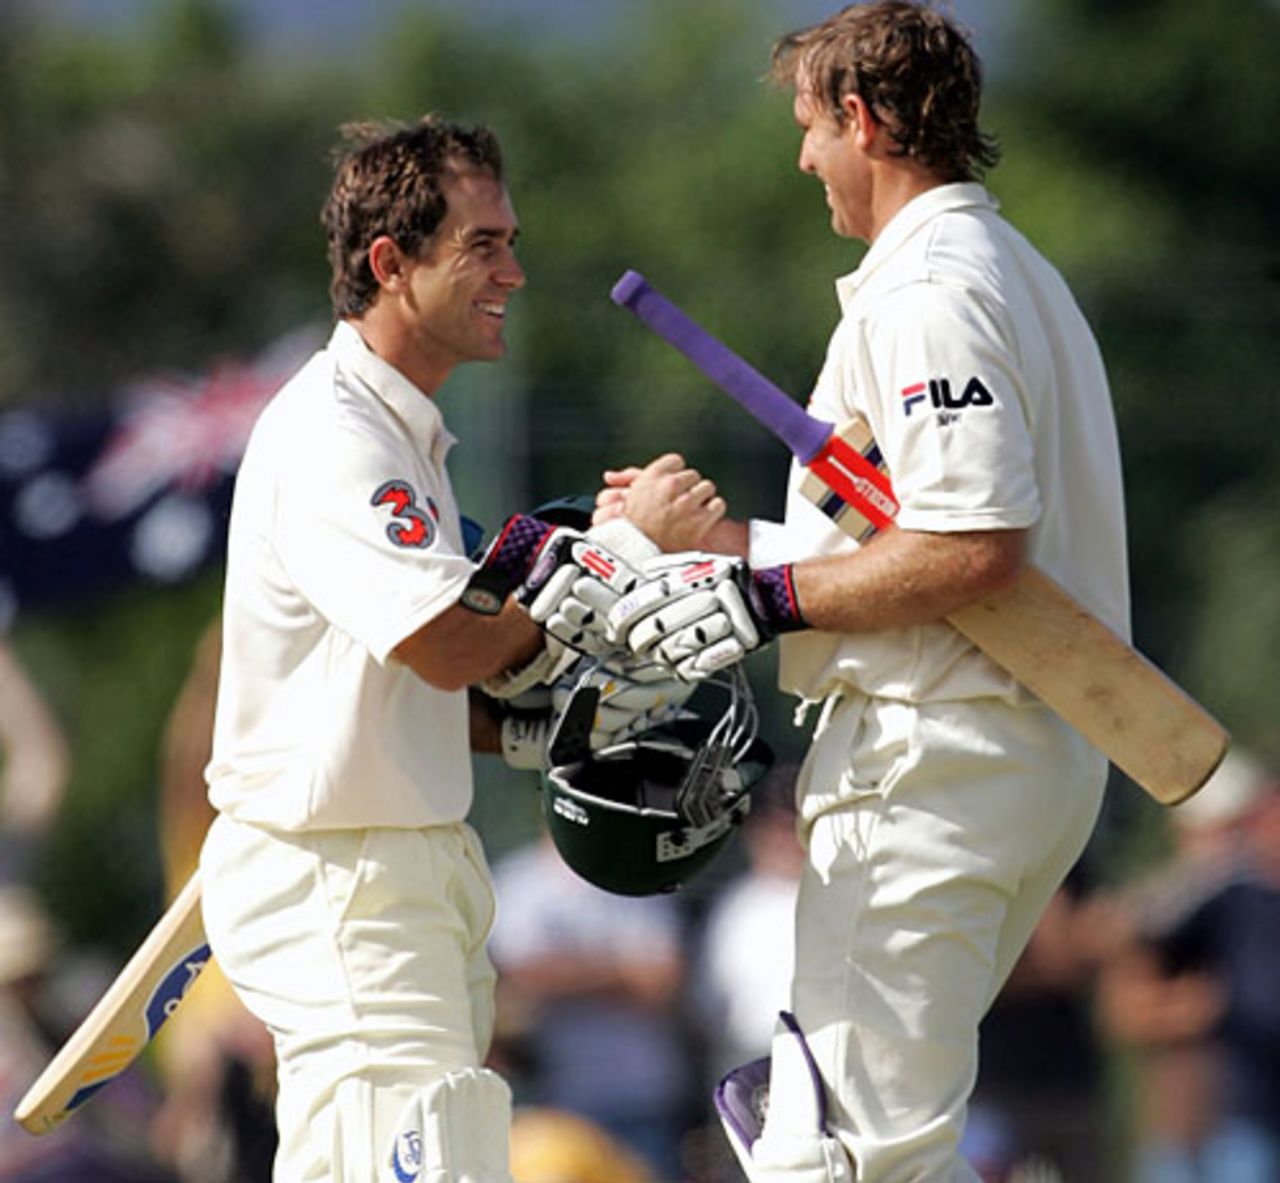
column 1153, row 731
column 125, row 1019
column 1149, row 727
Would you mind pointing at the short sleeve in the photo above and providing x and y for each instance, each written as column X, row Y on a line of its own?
column 359, row 530
column 952, row 416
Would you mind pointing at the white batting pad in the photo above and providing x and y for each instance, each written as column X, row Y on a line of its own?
column 453, row 1131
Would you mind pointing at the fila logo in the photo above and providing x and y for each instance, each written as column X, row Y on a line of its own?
column 938, row 392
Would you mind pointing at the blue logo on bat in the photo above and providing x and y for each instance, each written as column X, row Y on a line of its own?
column 173, row 986
column 162, row 1003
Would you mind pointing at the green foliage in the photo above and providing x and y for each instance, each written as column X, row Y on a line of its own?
column 144, row 222
column 160, row 198
column 1235, row 628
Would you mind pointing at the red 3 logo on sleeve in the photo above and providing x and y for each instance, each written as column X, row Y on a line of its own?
column 411, row 525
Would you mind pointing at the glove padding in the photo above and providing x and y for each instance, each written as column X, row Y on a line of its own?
column 542, row 670
column 566, row 580
column 572, row 586
column 634, row 696
column 698, row 613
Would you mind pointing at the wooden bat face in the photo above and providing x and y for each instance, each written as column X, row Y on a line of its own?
column 125, row 1019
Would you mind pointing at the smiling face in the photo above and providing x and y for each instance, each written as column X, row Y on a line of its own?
column 831, row 151
column 447, row 303
column 457, row 288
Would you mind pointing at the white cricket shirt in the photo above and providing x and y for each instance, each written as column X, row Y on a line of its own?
column 982, row 382
column 344, row 540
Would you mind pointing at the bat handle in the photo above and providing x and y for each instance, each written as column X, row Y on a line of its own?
column 769, row 405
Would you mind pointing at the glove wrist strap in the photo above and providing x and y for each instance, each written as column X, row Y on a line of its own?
column 775, row 599
column 505, row 564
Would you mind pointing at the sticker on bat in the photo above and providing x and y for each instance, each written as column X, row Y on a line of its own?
column 173, row 988
column 170, row 991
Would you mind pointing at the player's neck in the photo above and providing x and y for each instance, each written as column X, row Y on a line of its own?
column 896, row 185
column 386, row 336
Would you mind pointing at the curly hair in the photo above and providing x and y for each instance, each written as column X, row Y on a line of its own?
column 390, row 180
column 915, row 70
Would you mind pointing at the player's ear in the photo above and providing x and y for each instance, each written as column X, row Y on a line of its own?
column 387, row 262
column 858, row 120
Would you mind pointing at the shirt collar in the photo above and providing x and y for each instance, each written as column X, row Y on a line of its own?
column 911, row 217
column 416, row 409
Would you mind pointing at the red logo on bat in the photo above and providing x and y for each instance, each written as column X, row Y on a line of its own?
column 410, row 525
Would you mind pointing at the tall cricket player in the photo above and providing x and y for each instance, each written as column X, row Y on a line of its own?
column 940, row 804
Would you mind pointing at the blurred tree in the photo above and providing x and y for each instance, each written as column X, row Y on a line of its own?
column 160, row 199
column 1152, row 179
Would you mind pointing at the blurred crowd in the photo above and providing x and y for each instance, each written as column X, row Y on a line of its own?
column 1137, row 1041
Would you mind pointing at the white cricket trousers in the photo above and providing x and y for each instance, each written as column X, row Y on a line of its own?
column 936, row 835
column 364, row 954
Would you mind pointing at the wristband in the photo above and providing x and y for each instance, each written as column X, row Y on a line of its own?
column 505, row 564
column 773, row 597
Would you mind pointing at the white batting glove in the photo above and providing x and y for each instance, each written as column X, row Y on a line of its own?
column 554, row 659
column 634, row 696
column 575, row 609
column 698, row 613
column 566, row 581
column 572, row 587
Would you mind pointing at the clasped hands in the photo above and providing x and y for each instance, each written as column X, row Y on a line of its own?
column 655, row 623
column 690, row 610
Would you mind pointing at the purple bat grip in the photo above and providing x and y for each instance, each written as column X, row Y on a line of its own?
column 772, row 407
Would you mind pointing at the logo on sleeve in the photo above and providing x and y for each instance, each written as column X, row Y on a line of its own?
column 411, row 525
column 939, row 394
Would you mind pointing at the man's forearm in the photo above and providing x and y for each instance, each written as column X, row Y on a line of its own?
column 904, row 578
column 459, row 647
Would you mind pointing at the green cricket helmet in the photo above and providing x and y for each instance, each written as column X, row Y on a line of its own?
column 646, row 815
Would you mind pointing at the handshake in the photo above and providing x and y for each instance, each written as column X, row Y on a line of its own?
column 636, row 629
column 691, row 614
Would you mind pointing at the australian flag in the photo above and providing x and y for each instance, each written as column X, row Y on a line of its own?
column 136, row 490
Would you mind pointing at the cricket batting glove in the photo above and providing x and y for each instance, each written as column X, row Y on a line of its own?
column 566, row 581
column 634, row 696
column 698, row 613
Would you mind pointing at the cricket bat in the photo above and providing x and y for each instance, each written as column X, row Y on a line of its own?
column 125, row 1019
column 1144, row 722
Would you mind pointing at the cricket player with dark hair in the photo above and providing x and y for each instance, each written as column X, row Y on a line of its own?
column 344, row 895
column 940, row 804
